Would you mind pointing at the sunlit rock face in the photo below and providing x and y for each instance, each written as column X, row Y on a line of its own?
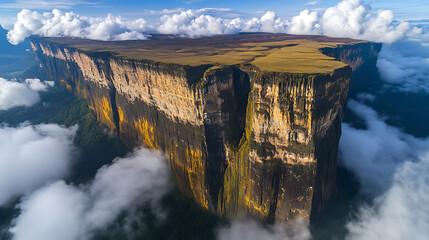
column 241, row 140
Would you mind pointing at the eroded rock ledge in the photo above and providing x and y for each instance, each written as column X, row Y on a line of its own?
column 242, row 139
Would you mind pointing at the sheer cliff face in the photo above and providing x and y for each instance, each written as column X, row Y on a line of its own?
column 240, row 140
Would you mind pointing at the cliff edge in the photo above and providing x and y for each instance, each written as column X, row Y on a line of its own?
column 250, row 122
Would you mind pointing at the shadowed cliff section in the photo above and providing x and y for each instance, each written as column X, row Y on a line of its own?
column 242, row 139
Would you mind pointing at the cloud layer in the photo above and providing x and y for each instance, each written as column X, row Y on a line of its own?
column 391, row 166
column 350, row 18
column 75, row 212
column 31, row 156
column 401, row 213
column 252, row 230
column 404, row 65
column 13, row 93
column 375, row 153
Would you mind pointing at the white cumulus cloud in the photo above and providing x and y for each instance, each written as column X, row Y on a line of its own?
column 31, row 156
column 350, row 18
column 353, row 19
column 14, row 93
column 305, row 23
column 191, row 24
column 75, row 212
column 58, row 23
column 194, row 24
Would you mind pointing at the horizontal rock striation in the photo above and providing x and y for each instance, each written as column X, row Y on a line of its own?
column 240, row 140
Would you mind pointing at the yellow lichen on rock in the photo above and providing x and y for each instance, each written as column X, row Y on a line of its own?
column 69, row 87
column 121, row 115
column 107, row 110
column 195, row 172
column 147, row 133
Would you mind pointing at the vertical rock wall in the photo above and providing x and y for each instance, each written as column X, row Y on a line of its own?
column 241, row 141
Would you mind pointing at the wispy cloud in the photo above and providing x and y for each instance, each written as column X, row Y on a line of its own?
column 314, row 3
column 179, row 10
column 44, row 4
column 193, row 1
column 7, row 22
column 159, row 12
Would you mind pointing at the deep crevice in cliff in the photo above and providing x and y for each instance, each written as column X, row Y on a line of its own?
column 195, row 74
column 241, row 93
column 275, row 184
column 354, row 55
column 225, row 123
column 115, row 110
column 104, row 66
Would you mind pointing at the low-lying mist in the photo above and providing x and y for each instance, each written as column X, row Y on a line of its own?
column 15, row 93
column 32, row 155
column 65, row 211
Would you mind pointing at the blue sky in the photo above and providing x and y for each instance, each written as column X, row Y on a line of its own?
column 411, row 9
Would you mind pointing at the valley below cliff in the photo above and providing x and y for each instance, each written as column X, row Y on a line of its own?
column 251, row 123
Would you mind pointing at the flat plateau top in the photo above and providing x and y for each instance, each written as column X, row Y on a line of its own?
column 267, row 51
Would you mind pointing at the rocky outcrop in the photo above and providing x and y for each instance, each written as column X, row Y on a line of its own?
column 240, row 140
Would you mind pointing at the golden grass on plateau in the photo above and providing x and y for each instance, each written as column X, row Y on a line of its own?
column 268, row 52
column 304, row 57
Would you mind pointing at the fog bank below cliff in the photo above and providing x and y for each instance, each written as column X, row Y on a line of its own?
column 31, row 156
column 390, row 162
column 76, row 212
